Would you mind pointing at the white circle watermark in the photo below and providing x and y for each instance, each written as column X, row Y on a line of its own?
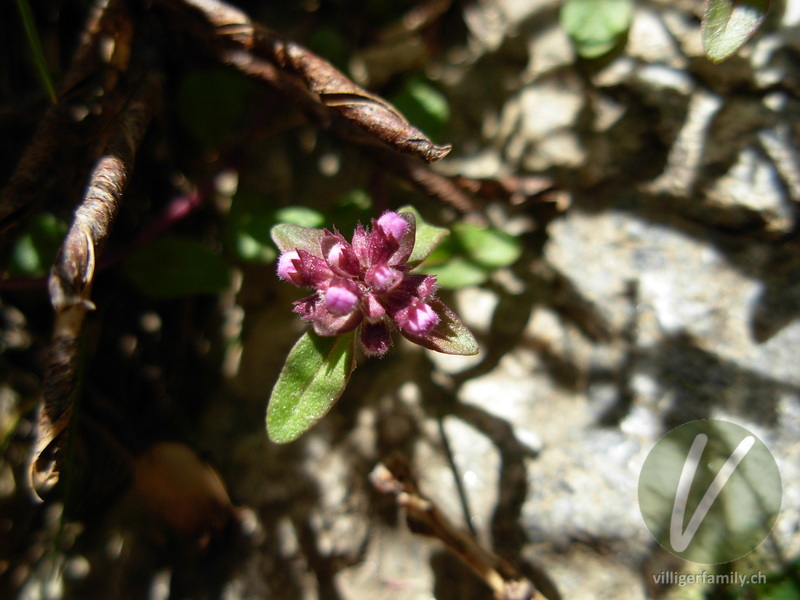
column 710, row 491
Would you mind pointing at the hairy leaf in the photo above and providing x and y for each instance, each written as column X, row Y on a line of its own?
column 313, row 377
column 289, row 237
column 727, row 24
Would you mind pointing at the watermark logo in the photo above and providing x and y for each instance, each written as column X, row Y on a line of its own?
column 710, row 491
column 666, row 578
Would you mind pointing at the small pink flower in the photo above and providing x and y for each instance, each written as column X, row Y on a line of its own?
column 365, row 283
column 288, row 264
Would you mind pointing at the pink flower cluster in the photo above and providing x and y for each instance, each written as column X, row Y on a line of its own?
column 364, row 283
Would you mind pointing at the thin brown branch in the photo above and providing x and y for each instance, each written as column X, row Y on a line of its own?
column 425, row 179
column 424, row 517
column 467, row 194
column 234, row 39
column 72, row 275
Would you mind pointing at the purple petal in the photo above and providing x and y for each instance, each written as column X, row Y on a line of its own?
column 361, row 245
column 305, row 307
column 373, row 309
column 420, row 286
column 376, row 338
column 340, row 256
column 406, row 242
column 418, row 318
column 342, row 297
column 325, row 323
column 381, row 247
column 314, row 271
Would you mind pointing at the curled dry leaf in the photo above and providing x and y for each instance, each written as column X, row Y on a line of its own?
column 181, row 490
column 337, row 91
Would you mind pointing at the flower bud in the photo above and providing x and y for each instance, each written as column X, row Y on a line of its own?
column 342, row 297
column 287, row 267
column 383, row 278
column 342, row 260
column 393, row 225
column 418, row 318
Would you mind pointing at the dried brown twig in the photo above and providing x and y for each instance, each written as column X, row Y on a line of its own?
column 424, row 517
column 313, row 82
column 72, row 275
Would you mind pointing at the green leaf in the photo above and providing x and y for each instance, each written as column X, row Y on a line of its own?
column 487, row 247
column 247, row 234
column 293, row 237
column 458, row 272
column 35, row 250
column 596, row 26
column 356, row 199
column 450, row 336
column 427, row 238
column 173, row 266
column 470, row 254
column 423, row 105
column 247, row 228
column 300, row 215
column 212, row 103
column 313, row 377
column 727, row 24
column 354, row 206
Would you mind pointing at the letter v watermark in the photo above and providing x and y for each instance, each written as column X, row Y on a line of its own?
column 679, row 539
